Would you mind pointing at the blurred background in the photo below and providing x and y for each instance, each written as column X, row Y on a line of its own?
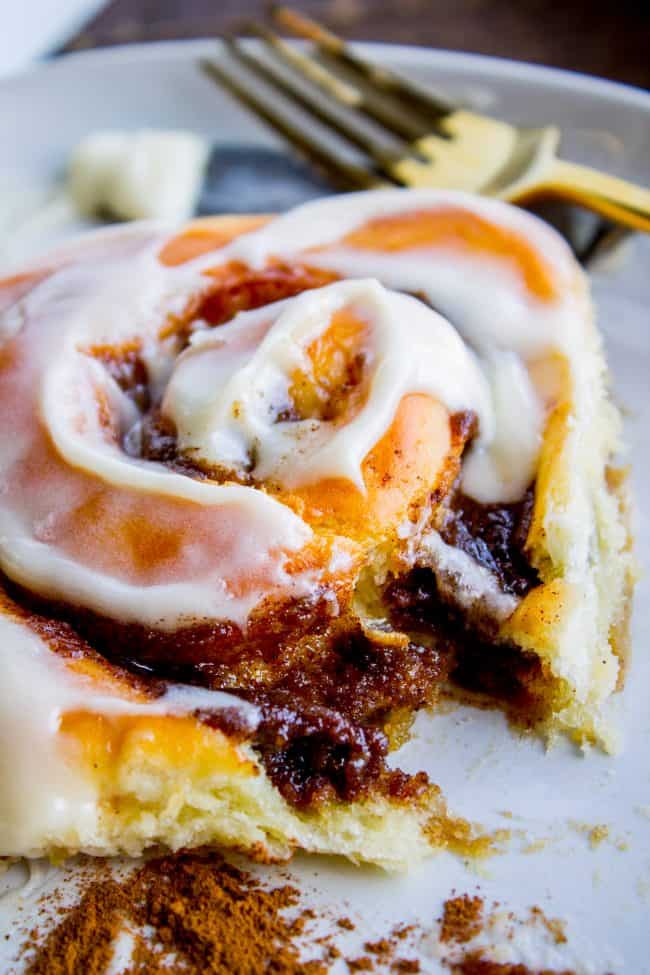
column 611, row 39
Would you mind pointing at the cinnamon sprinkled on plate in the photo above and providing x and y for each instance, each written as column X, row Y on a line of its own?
column 204, row 913
column 462, row 919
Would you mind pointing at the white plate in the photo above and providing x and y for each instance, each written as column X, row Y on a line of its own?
column 602, row 893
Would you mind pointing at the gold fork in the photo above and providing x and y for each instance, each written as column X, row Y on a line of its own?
column 407, row 135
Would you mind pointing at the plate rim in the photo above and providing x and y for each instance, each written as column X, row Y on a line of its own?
column 183, row 49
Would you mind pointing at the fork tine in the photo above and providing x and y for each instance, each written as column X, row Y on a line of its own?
column 343, row 92
column 337, row 50
column 344, row 174
column 344, row 124
column 395, row 119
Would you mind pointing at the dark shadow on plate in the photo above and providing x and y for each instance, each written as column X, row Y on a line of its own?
column 251, row 179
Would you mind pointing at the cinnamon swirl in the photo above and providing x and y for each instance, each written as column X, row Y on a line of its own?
column 268, row 485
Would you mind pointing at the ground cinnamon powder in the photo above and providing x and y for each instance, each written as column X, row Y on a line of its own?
column 197, row 914
column 382, row 956
column 555, row 927
column 362, row 964
column 204, row 915
column 465, row 917
column 462, row 919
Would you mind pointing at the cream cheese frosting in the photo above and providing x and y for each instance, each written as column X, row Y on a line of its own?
column 481, row 296
column 44, row 793
column 112, row 288
column 225, row 399
column 51, row 396
column 138, row 175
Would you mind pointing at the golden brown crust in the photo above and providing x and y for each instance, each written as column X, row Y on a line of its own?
column 620, row 630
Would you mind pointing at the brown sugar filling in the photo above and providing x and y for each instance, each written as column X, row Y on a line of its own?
column 494, row 535
column 325, row 687
column 327, row 691
column 236, row 287
column 324, row 696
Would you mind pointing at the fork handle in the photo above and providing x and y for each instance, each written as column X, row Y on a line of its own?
column 616, row 199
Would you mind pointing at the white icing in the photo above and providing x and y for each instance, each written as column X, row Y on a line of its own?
column 72, row 310
column 327, row 220
column 138, row 175
column 503, row 469
column 46, row 798
column 475, row 587
column 482, row 296
column 484, row 300
column 234, row 541
column 228, row 388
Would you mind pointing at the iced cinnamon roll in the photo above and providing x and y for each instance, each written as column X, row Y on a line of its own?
column 266, row 487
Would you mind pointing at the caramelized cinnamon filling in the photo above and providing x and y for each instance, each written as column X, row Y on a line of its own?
column 158, row 441
column 325, row 689
column 236, row 287
column 476, row 662
column 495, row 537
column 125, row 365
column 336, row 385
column 324, row 695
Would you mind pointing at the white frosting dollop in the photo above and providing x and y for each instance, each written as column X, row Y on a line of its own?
column 482, row 295
column 228, row 388
column 501, row 467
column 142, row 175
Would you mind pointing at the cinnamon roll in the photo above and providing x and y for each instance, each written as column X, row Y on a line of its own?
column 266, row 487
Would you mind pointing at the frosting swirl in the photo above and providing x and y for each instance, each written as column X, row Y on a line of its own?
column 305, row 430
